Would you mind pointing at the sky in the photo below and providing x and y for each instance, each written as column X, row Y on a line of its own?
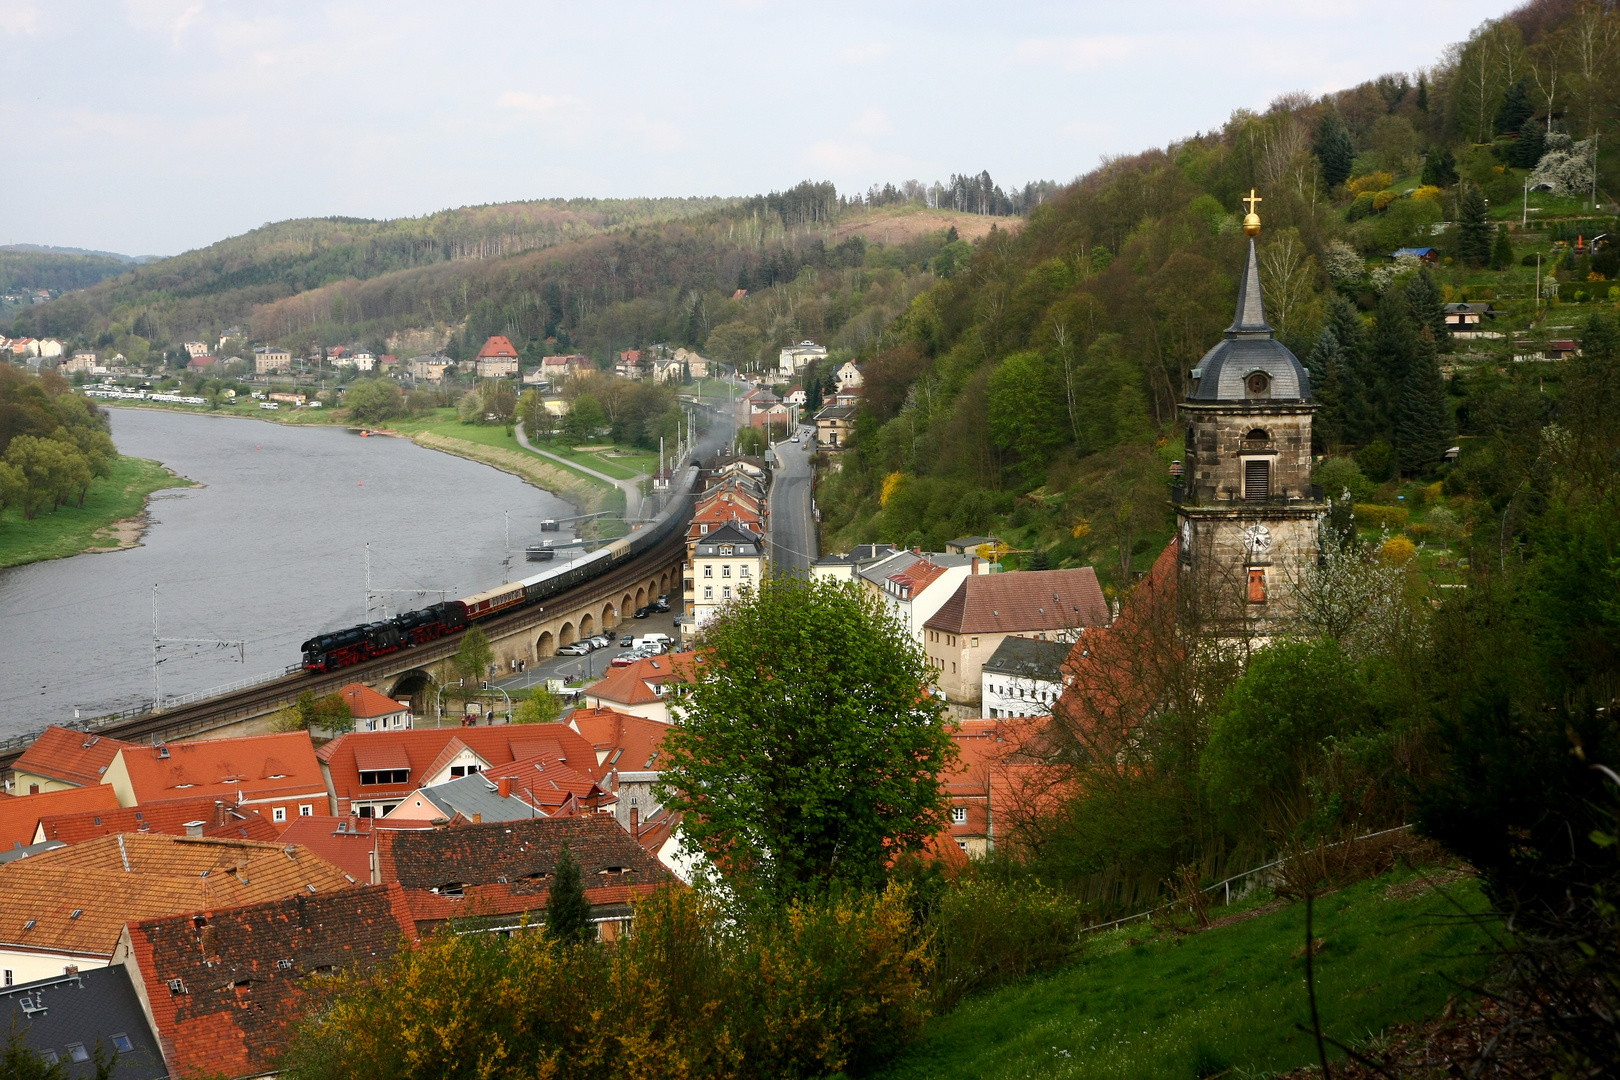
column 150, row 127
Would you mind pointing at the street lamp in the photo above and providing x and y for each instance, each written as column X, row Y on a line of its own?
column 504, row 694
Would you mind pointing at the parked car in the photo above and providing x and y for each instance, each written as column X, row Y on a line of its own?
column 643, row 612
column 601, row 641
column 577, row 648
column 626, row 641
column 625, row 659
column 660, row 605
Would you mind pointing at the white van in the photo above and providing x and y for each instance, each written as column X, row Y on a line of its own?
column 660, row 640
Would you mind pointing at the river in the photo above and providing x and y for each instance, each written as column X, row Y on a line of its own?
column 270, row 550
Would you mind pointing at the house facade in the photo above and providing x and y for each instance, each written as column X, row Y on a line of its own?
column 1023, row 677
column 795, row 358
column 726, row 562
column 267, row 359
column 498, row 359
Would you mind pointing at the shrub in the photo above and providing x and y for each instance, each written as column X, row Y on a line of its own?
column 1375, row 181
column 1397, row 551
column 806, row 991
column 988, row 932
column 1336, row 475
column 1377, row 461
column 1369, row 516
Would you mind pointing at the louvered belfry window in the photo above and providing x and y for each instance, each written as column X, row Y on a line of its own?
column 1256, row 479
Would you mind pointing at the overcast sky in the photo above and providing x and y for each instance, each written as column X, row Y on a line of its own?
column 155, row 126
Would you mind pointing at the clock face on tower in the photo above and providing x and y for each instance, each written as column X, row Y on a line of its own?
column 1257, row 540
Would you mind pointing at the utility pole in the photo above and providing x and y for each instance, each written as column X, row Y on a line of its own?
column 1524, row 217
column 159, row 642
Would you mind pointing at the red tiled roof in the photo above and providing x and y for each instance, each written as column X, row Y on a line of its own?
column 346, row 843
column 919, row 575
column 20, row 814
column 623, row 742
column 553, row 789
column 497, row 745
column 497, row 348
column 170, row 816
column 638, row 683
column 506, row 867
column 249, row 769
column 225, row 988
column 70, row 756
column 1024, row 601
column 365, row 703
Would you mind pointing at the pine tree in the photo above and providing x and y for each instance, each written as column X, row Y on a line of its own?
column 1531, row 145
column 1355, row 378
column 1334, row 149
column 1502, row 250
column 1440, row 167
column 1427, row 306
column 1394, row 348
column 1473, row 229
column 568, row 913
column 1326, row 364
column 1038, row 559
column 1516, row 109
column 1422, row 420
column 1423, row 93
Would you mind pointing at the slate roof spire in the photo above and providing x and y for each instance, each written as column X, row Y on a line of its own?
column 1250, row 318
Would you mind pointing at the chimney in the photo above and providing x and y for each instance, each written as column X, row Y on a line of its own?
column 219, row 813
column 195, row 828
column 503, row 787
column 478, row 819
column 975, row 565
column 635, row 823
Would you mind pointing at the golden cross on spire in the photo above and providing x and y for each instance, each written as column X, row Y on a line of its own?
column 1251, row 199
column 1251, row 220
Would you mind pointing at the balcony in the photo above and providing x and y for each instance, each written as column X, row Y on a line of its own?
column 1181, row 495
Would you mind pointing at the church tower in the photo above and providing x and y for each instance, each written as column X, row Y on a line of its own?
column 1247, row 513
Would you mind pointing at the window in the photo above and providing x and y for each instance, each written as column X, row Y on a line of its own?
column 708, row 592
column 306, row 810
column 77, row 1052
column 953, row 667
column 725, row 571
column 708, row 570
column 1257, row 586
column 703, row 529
column 1256, row 479
column 11, row 976
column 385, row 776
column 49, row 1057
column 725, row 593
column 962, row 844
column 743, row 570
column 958, row 815
column 279, row 814
column 1258, row 384
column 975, row 643
column 123, row 1043
column 728, row 549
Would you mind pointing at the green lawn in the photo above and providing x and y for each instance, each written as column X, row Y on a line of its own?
column 1224, row 999
column 71, row 529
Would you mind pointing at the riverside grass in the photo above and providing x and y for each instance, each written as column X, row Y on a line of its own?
column 72, row 530
column 1223, row 1002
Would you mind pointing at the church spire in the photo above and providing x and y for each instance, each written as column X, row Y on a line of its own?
column 1250, row 318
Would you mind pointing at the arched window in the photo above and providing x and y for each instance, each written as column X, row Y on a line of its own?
column 1257, row 438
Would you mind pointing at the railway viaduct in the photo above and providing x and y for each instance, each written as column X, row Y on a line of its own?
column 529, row 634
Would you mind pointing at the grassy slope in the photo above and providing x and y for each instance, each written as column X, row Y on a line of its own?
column 72, row 529
column 1222, row 999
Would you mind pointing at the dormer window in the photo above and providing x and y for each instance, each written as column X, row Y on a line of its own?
column 1258, row 384
column 727, row 549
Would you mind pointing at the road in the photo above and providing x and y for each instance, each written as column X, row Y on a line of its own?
column 594, row 665
column 792, row 529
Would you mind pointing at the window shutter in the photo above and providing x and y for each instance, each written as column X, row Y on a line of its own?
column 1256, row 479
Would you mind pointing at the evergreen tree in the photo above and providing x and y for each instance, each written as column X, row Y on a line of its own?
column 1423, row 93
column 568, row 913
column 1427, row 306
column 1473, row 228
column 1325, row 364
column 1334, row 149
column 1422, row 420
column 1440, row 167
column 1516, row 109
column 1354, row 380
column 1038, row 559
column 1531, row 145
column 1394, row 349
column 1502, row 250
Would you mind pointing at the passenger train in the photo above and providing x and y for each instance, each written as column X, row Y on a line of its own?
column 341, row 648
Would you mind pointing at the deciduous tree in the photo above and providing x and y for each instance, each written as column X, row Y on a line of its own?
column 810, row 746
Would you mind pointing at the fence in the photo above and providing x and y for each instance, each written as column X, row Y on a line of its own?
column 1227, row 884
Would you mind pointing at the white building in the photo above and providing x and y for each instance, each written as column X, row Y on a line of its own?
column 364, row 361
column 849, row 377
column 914, row 587
column 195, row 348
column 793, row 359
column 267, row 358
column 49, row 348
column 1023, row 677
column 724, row 563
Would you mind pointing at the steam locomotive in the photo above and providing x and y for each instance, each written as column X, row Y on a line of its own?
column 342, row 648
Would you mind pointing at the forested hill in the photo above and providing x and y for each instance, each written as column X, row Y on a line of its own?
column 1033, row 397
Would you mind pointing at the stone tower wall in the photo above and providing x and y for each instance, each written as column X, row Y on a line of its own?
column 1218, row 441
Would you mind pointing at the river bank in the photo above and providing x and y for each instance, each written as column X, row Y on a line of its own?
column 112, row 518
column 487, row 444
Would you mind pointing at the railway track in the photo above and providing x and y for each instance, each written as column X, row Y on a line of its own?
column 199, row 717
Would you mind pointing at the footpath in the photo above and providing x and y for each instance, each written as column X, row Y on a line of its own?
column 631, row 487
